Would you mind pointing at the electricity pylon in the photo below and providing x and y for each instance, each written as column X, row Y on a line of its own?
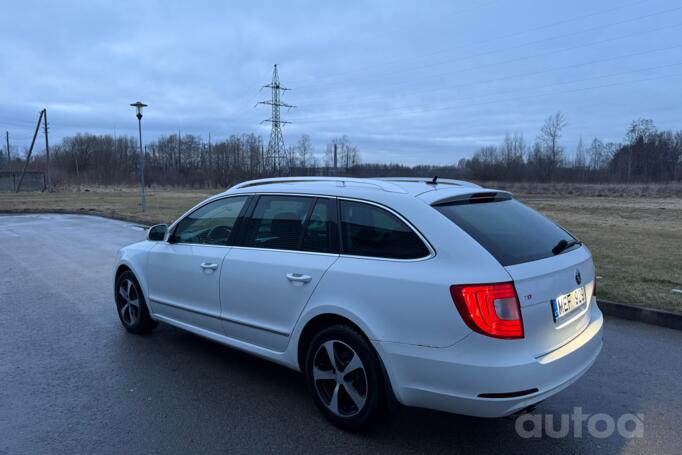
column 275, row 155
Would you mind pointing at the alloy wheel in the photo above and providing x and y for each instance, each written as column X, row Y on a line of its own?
column 339, row 378
column 129, row 302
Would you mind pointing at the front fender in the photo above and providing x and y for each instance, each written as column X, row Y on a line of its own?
column 135, row 258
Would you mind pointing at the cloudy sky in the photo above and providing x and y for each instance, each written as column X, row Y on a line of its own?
column 407, row 81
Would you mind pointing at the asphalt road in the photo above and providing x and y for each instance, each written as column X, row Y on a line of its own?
column 73, row 381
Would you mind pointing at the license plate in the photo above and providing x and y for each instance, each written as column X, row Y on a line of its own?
column 567, row 303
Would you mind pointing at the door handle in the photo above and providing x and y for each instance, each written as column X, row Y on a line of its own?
column 209, row 266
column 298, row 278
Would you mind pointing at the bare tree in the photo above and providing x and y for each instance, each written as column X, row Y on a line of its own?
column 640, row 129
column 511, row 155
column 596, row 154
column 549, row 136
column 304, row 149
column 580, row 159
column 347, row 155
column 291, row 156
column 488, row 155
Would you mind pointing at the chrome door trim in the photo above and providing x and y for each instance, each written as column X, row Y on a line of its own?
column 317, row 253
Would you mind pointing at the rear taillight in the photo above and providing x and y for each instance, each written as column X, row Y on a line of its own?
column 490, row 309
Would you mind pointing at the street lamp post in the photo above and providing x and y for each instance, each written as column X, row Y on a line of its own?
column 138, row 111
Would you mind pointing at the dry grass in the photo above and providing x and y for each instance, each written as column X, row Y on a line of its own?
column 636, row 244
column 635, row 234
column 163, row 205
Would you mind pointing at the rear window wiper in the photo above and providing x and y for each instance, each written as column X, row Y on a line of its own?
column 564, row 244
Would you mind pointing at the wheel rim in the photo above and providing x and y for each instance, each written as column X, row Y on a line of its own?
column 340, row 378
column 128, row 302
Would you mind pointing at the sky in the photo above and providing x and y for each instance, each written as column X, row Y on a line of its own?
column 407, row 81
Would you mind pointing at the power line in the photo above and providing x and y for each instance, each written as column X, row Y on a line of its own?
column 449, row 88
column 639, row 113
column 441, row 17
column 578, row 33
column 322, row 81
column 370, row 114
column 527, row 57
column 15, row 122
column 494, row 101
column 276, row 152
column 416, row 112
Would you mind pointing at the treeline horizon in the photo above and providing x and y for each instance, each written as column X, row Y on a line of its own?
column 644, row 155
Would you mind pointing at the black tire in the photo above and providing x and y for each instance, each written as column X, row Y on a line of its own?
column 345, row 342
column 135, row 318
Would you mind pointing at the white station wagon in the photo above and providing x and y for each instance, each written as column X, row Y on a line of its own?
column 429, row 292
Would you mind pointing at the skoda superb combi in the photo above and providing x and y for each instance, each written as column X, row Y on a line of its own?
column 435, row 293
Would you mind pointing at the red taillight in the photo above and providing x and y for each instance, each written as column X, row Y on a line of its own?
column 490, row 309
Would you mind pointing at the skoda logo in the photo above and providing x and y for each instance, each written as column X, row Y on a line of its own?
column 578, row 278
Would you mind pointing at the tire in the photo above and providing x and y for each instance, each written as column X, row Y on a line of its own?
column 131, row 306
column 351, row 398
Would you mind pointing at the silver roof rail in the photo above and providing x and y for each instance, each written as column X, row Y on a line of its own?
column 429, row 180
column 340, row 181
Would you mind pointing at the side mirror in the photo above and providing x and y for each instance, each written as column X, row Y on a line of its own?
column 157, row 232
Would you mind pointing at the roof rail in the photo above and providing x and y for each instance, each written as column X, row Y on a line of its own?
column 429, row 180
column 341, row 181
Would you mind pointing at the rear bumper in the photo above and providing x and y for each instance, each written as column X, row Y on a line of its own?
column 451, row 379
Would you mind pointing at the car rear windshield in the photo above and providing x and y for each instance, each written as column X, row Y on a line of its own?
column 511, row 231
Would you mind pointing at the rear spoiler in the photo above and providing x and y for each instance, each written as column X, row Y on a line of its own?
column 474, row 198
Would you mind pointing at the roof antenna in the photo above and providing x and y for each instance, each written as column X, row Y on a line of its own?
column 434, row 181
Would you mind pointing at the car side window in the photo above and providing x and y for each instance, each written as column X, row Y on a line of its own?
column 210, row 224
column 321, row 230
column 277, row 222
column 368, row 230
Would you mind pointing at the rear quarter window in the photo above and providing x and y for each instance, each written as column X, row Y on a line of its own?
column 368, row 230
column 511, row 231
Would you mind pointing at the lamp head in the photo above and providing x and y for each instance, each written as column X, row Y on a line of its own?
column 138, row 108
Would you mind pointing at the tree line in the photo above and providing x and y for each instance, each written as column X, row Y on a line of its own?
column 645, row 155
column 184, row 160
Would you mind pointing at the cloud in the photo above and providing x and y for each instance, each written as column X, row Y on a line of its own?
column 405, row 82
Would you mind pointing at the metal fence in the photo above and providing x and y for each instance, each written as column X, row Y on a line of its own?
column 33, row 181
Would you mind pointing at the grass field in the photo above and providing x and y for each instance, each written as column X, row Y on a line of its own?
column 636, row 244
column 635, row 234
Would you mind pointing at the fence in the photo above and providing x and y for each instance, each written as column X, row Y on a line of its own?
column 33, row 181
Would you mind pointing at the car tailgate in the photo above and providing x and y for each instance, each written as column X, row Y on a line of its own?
column 538, row 283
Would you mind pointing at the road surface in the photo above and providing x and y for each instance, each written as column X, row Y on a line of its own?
column 73, row 381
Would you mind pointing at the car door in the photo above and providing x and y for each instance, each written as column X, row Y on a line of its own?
column 184, row 272
column 287, row 244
